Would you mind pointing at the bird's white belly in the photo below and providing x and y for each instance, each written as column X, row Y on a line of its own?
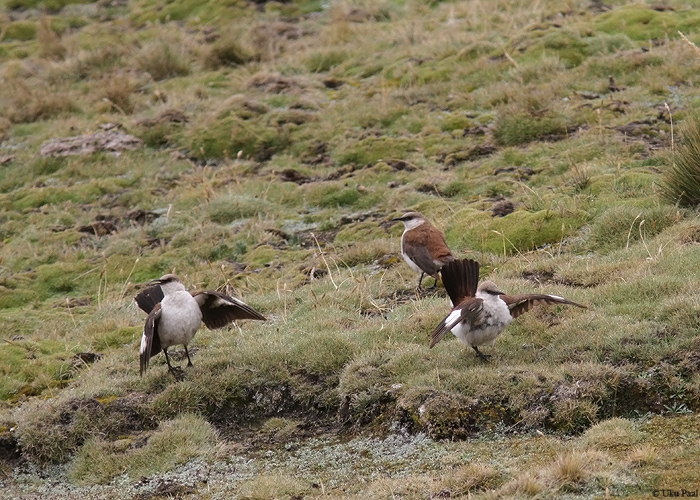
column 496, row 318
column 179, row 322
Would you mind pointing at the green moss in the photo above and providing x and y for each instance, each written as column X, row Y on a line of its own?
column 11, row 298
column 453, row 121
column 519, row 231
column 191, row 10
column 32, row 367
column 567, row 45
column 20, row 30
column 35, row 198
column 343, row 197
column 232, row 208
column 322, row 354
column 609, row 43
column 642, row 23
column 362, row 231
column 227, row 137
column 47, row 165
column 117, row 338
column 50, row 5
column 261, row 256
column 331, row 194
column 175, row 442
column 370, row 150
column 617, row 226
column 322, row 61
column 58, row 278
column 158, row 134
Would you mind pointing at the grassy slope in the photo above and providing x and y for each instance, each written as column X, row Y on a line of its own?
column 305, row 131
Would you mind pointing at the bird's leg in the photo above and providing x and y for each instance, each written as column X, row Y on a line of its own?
column 483, row 357
column 434, row 283
column 420, row 280
column 189, row 361
column 177, row 372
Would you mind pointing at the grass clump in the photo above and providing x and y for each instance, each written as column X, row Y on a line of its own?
column 270, row 486
column 174, row 442
column 681, row 180
column 516, row 128
column 20, row 31
column 163, row 60
column 229, row 136
column 621, row 225
column 50, row 45
column 369, row 151
column 228, row 209
column 229, row 50
column 643, row 23
column 519, row 231
column 58, row 430
column 26, row 101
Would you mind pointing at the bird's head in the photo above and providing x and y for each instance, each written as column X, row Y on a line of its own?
column 410, row 219
column 490, row 288
column 169, row 283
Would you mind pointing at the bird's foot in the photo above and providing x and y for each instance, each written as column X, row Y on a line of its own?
column 177, row 372
column 486, row 358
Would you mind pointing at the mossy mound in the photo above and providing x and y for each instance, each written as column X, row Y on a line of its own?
column 643, row 23
column 520, row 231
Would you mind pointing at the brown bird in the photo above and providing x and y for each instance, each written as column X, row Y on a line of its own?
column 175, row 315
column 480, row 314
column 423, row 246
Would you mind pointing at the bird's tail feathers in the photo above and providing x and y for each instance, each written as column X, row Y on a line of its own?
column 461, row 278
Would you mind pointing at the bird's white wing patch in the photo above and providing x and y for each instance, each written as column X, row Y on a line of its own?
column 144, row 343
column 219, row 302
column 453, row 318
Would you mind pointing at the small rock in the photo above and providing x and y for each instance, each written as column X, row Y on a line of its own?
column 502, row 208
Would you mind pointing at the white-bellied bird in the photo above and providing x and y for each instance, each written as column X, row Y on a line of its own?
column 423, row 246
column 481, row 312
column 175, row 315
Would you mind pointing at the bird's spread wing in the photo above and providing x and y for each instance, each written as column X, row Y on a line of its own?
column 218, row 309
column 148, row 298
column 519, row 304
column 150, row 341
column 470, row 310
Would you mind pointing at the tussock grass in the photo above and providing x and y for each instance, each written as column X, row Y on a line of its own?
column 174, row 442
column 50, row 45
column 270, row 486
column 680, row 184
column 162, row 60
column 229, row 50
column 28, row 101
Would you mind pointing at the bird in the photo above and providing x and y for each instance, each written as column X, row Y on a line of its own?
column 175, row 315
column 480, row 313
column 423, row 246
